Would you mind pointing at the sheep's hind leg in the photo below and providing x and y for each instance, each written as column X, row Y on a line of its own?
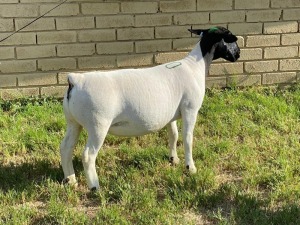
column 173, row 137
column 66, row 150
column 96, row 136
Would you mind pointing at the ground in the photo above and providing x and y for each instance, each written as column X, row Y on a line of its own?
column 246, row 149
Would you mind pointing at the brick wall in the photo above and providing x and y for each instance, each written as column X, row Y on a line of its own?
column 84, row 35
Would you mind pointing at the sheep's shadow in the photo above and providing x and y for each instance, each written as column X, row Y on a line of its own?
column 28, row 174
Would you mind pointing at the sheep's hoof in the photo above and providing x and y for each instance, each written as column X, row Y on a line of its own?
column 191, row 169
column 174, row 161
column 65, row 181
column 93, row 189
column 70, row 181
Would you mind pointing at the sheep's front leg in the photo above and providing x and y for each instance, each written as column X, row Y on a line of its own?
column 173, row 137
column 66, row 150
column 189, row 120
column 96, row 136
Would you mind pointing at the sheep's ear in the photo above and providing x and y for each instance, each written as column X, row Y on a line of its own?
column 230, row 38
column 223, row 33
column 198, row 31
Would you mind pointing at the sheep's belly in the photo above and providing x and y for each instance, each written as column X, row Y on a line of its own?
column 130, row 129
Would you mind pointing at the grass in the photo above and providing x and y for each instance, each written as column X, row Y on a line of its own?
column 246, row 149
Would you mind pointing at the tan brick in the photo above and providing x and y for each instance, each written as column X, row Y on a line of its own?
column 230, row 16
column 7, row 53
column 139, row 7
column 31, row 52
column 244, row 80
column 97, row 35
column 76, row 49
column 281, row 27
column 241, row 41
column 75, row 23
column 37, row 1
column 261, row 66
column 87, row 1
column 251, row 54
column 99, row 62
column 219, row 60
column 185, row 43
column 289, row 64
column 203, row 5
column 278, row 78
column 161, row 58
column 254, row 4
column 56, row 64
column 153, row 20
column 63, row 77
column 19, row 10
column 18, row 39
column 6, row 25
column 215, row 82
column 172, row 31
column 37, row 79
column 114, row 47
column 263, row 40
column 291, row 39
column 285, row 4
column 56, row 37
column 263, row 15
column 114, row 21
column 39, row 25
column 281, row 52
column 8, row 1
column 56, row 91
column 178, row 6
column 291, row 14
column 135, row 33
column 19, row 93
column 99, row 8
column 298, row 77
column 153, row 46
column 191, row 18
column 135, row 60
column 245, row 28
column 15, row 66
column 8, row 81
column 62, row 10
column 226, row 68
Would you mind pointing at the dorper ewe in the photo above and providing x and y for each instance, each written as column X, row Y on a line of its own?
column 134, row 102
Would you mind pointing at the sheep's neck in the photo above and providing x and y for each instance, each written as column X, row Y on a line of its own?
column 197, row 60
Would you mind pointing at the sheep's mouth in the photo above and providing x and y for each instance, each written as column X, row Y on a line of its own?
column 232, row 57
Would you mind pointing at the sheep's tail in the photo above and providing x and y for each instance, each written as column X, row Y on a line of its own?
column 69, row 89
column 73, row 80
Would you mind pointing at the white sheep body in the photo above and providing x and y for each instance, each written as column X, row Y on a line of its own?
column 134, row 102
column 137, row 101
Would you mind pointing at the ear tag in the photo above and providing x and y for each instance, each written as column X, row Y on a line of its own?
column 213, row 29
column 173, row 65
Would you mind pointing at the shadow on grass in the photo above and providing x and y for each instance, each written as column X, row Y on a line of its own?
column 23, row 176
column 20, row 177
column 245, row 209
